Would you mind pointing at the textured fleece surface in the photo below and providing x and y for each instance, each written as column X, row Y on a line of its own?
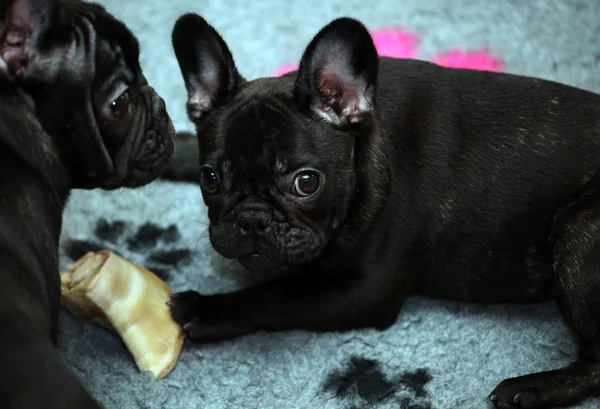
column 440, row 355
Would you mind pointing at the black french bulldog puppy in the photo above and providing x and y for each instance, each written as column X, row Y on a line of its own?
column 75, row 112
column 361, row 180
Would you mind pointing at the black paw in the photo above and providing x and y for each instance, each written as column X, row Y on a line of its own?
column 202, row 319
column 184, row 306
column 547, row 390
column 518, row 393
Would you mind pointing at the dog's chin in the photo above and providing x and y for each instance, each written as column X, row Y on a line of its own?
column 142, row 170
column 265, row 263
column 260, row 263
column 269, row 253
column 152, row 166
column 144, row 163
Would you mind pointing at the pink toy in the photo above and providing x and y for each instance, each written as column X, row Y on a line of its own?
column 399, row 43
column 284, row 69
column 395, row 43
column 475, row 60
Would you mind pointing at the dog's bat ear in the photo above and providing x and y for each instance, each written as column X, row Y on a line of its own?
column 206, row 64
column 338, row 74
column 22, row 26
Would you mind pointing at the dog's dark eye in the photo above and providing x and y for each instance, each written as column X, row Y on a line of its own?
column 208, row 181
column 307, row 183
column 120, row 106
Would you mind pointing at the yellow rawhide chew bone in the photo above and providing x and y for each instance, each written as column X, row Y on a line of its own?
column 129, row 301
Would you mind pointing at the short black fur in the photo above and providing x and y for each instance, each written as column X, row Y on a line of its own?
column 457, row 184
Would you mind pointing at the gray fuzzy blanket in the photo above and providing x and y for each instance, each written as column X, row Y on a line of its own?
column 439, row 355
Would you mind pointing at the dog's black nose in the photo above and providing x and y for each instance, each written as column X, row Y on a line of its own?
column 254, row 221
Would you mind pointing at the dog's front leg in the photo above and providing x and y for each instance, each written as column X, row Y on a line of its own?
column 321, row 302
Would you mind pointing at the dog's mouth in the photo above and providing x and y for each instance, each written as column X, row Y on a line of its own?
column 151, row 165
column 247, row 253
column 258, row 262
column 144, row 168
column 264, row 256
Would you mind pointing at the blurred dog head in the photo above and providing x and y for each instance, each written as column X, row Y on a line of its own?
column 77, row 69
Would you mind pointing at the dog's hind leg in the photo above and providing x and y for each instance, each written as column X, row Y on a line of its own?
column 577, row 271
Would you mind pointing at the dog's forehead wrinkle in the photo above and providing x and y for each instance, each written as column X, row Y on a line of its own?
column 263, row 109
column 267, row 154
column 255, row 133
column 81, row 49
column 225, row 166
column 110, row 56
column 106, row 27
column 47, row 65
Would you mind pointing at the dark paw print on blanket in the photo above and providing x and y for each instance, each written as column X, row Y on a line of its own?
column 117, row 236
column 364, row 384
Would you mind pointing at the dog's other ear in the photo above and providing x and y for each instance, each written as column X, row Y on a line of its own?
column 338, row 74
column 206, row 64
column 22, row 26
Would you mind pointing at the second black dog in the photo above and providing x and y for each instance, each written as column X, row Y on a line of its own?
column 75, row 112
